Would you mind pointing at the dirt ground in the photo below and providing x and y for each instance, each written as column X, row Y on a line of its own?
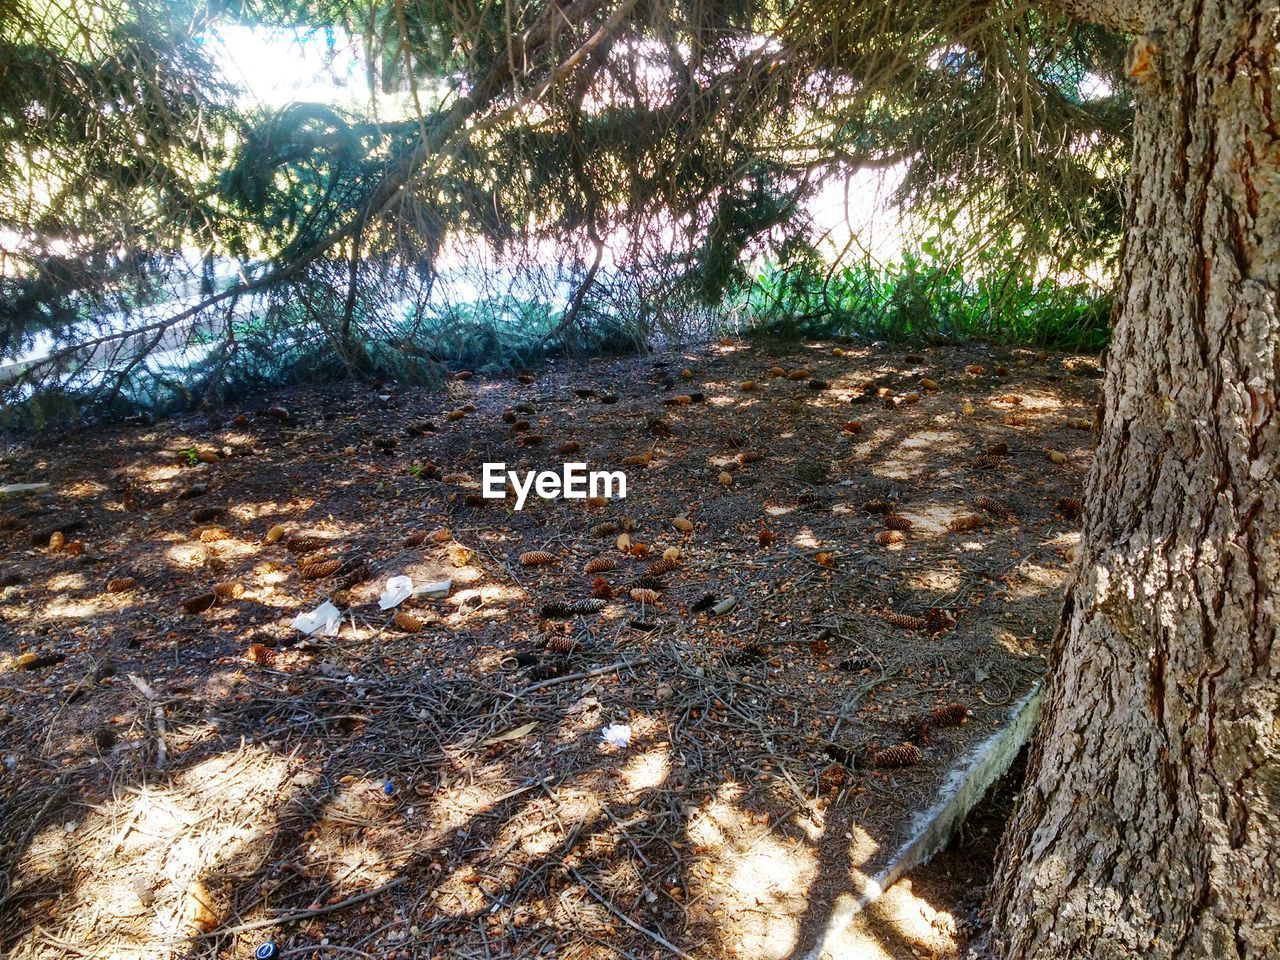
column 185, row 774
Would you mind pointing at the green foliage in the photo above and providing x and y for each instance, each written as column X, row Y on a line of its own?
column 526, row 138
column 926, row 296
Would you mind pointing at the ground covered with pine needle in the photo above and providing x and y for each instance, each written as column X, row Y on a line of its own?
column 836, row 568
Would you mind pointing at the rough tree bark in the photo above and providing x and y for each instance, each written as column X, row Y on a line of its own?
column 1149, row 825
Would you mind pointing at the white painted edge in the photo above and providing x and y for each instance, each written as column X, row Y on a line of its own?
column 967, row 784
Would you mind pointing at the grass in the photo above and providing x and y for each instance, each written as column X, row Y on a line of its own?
column 927, row 295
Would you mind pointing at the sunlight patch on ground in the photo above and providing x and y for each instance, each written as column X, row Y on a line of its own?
column 188, row 555
column 1033, row 580
column 917, row 454
column 934, row 580
column 72, row 609
column 648, row 769
column 899, row 924
column 750, row 878
column 147, row 864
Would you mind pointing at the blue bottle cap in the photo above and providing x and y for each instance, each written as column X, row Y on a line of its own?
column 268, row 951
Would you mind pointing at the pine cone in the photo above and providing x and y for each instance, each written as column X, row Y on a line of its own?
column 599, row 565
column 903, row 755
column 832, row 778
column 213, row 535
column 605, row 529
column 572, row 608
column 642, row 595
column 660, row 567
column 407, row 622
column 895, row 521
column 121, row 584
column 1070, row 506
column 646, row 582
column 415, row 539
column 262, row 655
column 888, row 537
column 968, row 521
column 200, row 602
column 904, row 620
column 878, row 505
column 229, row 590
column 949, row 715
column 537, row 558
column 562, row 644
column 352, row 573
column 937, row 620
column 305, row 544
column 992, row 506
column 549, row 669
column 319, row 569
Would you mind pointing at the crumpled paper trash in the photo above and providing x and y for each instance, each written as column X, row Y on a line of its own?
column 398, row 590
column 617, row 734
column 325, row 619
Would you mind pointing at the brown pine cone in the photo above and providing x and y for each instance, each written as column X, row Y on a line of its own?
column 660, row 567
column 904, row 620
column 937, row 620
column 305, row 544
column 903, row 755
column 407, row 622
column 1070, row 506
column 832, row 778
column 992, row 506
column 895, row 521
column 599, row 565
column 262, row 655
column 536, row 558
column 967, row 521
column 562, row 644
column 319, row 569
column 949, row 715
column 200, row 602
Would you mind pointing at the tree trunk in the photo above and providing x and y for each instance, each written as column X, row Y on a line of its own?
column 1149, row 825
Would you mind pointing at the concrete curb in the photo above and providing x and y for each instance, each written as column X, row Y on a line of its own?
column 969, row 781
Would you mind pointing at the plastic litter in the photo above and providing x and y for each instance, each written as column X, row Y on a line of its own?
column 436, row 590
column 20, row 489
column 267, row 951
column 617, row 734
column 324, row 619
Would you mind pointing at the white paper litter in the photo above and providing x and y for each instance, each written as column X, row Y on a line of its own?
column 325, row 619
column 399, row 589
column 617, row 734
